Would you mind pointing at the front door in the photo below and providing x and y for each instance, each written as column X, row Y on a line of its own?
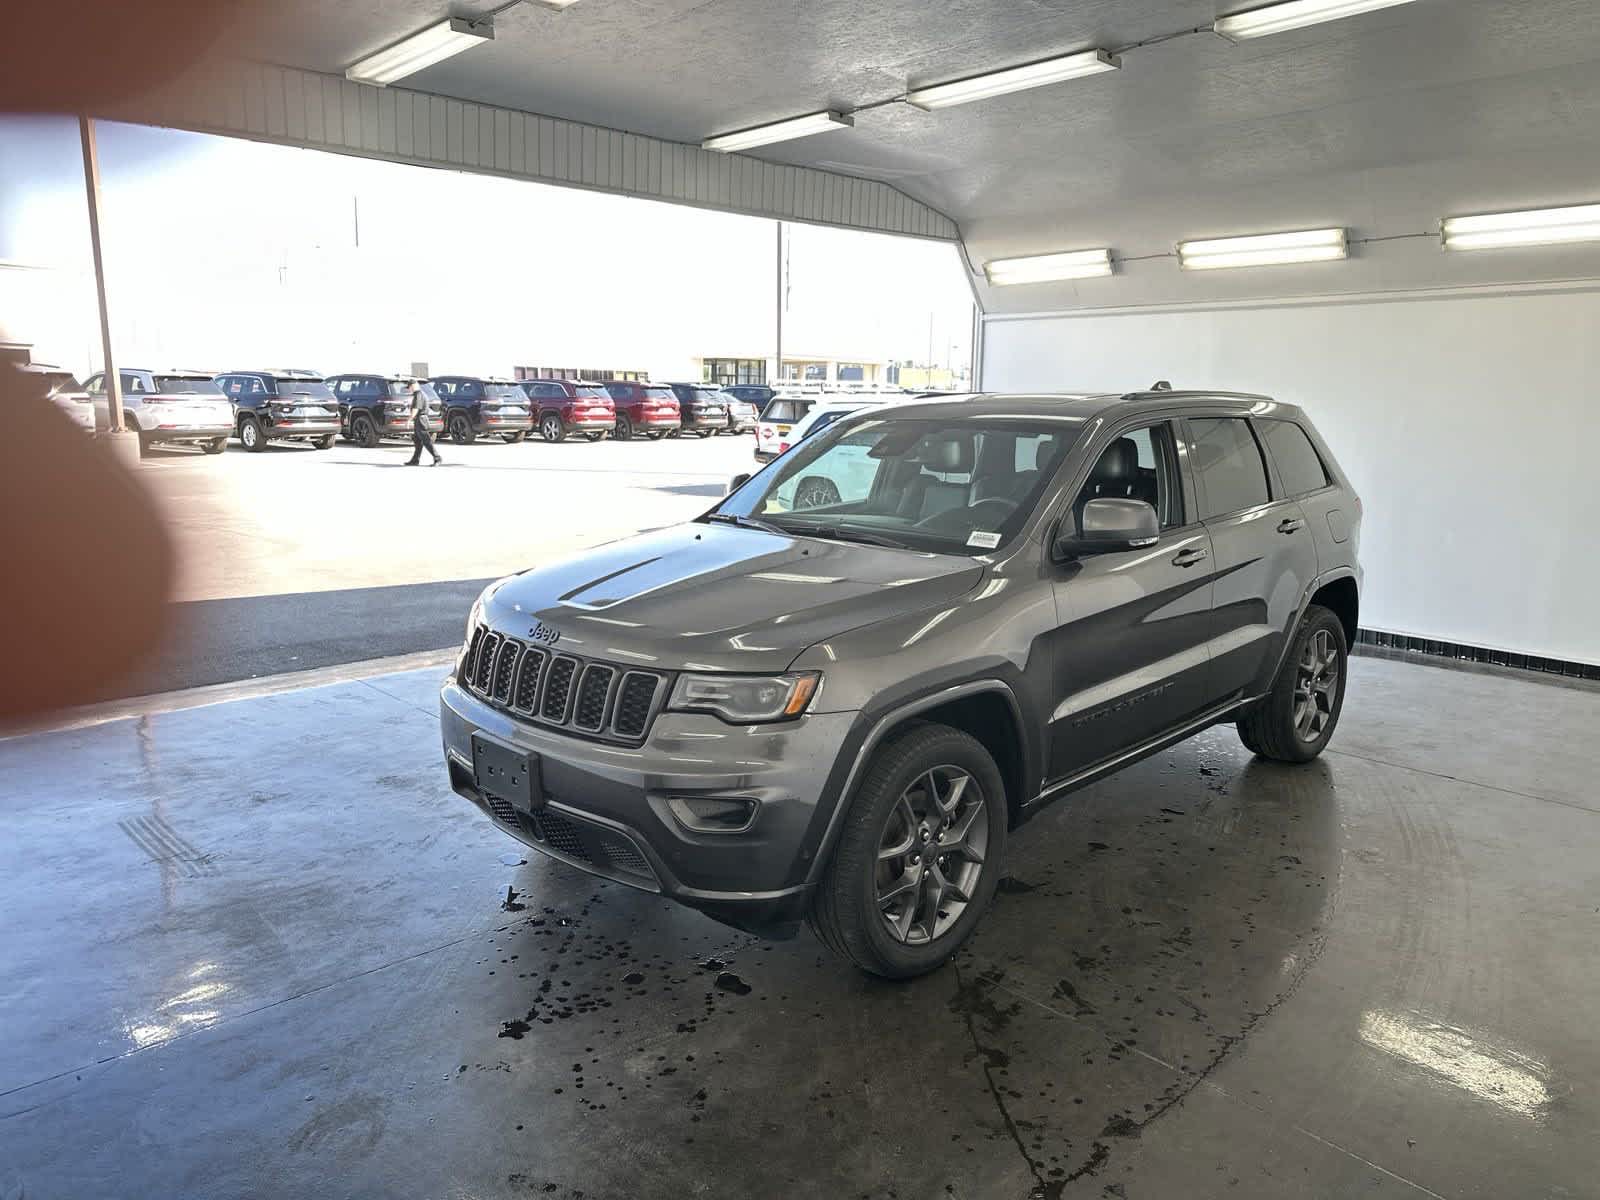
column 1130, row 656
column 1264, row 554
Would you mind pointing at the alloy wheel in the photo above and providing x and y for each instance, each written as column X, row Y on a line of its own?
column 931, row 854
column 1316, row 686
column 550, row 427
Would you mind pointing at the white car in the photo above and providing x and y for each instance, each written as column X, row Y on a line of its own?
column 775, row 435
column 65, row 392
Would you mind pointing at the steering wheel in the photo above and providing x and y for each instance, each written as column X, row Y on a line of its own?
column 954, row 519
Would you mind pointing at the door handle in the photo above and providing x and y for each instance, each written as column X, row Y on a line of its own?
column 1188, row 558
column 1291, row 525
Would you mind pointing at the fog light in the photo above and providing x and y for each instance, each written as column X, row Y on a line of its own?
column 714, row 814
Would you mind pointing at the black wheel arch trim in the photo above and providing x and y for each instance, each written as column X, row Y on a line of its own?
column 869, row 732
column 1332, row 575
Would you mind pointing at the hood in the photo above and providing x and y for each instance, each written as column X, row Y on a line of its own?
column 721, row 598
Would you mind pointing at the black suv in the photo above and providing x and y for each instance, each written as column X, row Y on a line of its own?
column 838, row 693
column 373, row 407
column 475, row 407
column 275, row 406
column 702, row 408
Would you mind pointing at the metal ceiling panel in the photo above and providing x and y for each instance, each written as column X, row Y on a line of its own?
column 305, row 108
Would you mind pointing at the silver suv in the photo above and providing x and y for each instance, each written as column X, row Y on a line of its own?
column 835, row 695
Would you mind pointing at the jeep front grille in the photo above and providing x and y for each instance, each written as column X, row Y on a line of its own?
column 582, row 696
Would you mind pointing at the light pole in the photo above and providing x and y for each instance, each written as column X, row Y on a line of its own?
column 91, row 181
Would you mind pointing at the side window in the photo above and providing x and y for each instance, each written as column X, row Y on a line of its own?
column 1298, row 463
column 469, row 390
column 1141, row 464
column 95, row 383
column 1229, row 465
column 252, row 386
column 131, row 384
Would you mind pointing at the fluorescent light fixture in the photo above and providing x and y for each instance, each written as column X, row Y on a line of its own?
column 1265, row 250
column 778, row 131
column 1042, row 268
column 410, row 55
column 558, row 5
column 1293, row 14
column 1535, row 227
column 1013, row 79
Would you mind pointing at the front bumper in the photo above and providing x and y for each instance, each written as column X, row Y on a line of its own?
column 606, row 806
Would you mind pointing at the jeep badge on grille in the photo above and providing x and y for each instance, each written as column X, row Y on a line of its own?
column 544, row 633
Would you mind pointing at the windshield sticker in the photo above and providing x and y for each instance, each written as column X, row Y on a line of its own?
column 983, row 539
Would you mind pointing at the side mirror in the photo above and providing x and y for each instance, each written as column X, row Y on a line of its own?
column 1107, row 525
column 737, row 482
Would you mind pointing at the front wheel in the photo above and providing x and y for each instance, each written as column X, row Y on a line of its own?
column 919, row 854
column 1294, row 721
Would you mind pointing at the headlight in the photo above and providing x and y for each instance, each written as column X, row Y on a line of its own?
column 746, row 699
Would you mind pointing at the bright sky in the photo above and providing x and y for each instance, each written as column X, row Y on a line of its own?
column 224, row 253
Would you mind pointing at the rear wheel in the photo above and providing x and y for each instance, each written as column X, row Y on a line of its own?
column 919, row 854
column 654, row 437
column 1294, row 721
column 552, row 428
column 324, row 442
column 461, row 431
column 624, row 430
column 215, row 445
column 250, row 435
column 511, row 439
column 363, row 432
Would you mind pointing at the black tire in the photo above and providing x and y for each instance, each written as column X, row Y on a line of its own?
column 363, row 432
column 215, row 445
column 1277, row 726
column 705, row 433
column 654, row 437
column 325, row 442
column 511, row 439
column 250, row 435
column 460, row 427
column 845, row 914
column 146, row 443
column 624, row 430
column 594, row 437
column 552, row 428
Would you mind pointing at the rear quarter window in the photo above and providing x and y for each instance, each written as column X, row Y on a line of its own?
column 1299, row 464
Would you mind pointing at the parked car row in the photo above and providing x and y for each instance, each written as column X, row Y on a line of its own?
column 259, row 407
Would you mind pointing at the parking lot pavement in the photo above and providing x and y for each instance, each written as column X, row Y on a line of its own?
column 292, row 519
column 261, row 947
column 295, row 558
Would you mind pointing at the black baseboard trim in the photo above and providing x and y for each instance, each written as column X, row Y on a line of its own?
column 1380, row 640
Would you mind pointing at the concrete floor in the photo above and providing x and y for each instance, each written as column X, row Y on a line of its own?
column 258, row 948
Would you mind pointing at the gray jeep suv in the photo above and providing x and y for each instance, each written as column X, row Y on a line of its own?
column 835, row 695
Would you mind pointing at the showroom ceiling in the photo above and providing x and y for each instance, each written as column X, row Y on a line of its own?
column 1382, row 123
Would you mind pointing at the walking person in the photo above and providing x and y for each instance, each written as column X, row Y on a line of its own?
column 421, row 439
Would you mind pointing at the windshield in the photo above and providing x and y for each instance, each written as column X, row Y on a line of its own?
column 952, row 485
column 180, row 384
column 313, row 389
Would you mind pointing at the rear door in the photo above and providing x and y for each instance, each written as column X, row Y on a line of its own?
column 1263, row 551
column 1131, row 656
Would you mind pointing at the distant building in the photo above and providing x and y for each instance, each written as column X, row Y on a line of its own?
column 797, row 368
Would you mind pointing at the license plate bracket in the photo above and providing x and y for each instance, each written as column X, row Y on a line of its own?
column 507, row 773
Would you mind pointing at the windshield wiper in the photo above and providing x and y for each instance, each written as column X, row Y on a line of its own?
column 839, row 533
column 746, row 522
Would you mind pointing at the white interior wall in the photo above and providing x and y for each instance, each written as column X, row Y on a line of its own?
column 1467, row 422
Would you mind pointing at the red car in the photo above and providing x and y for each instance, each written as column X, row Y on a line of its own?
column 563, row 406
column 647, row 408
